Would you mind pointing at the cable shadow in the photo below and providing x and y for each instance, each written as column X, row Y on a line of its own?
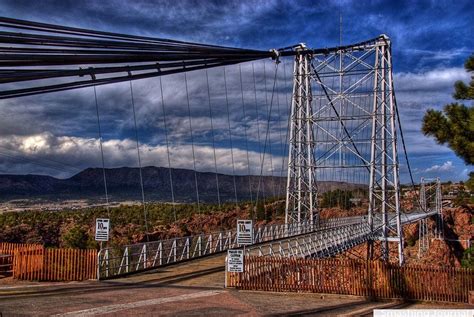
column 370, row 312
column 107, row 286
column 316, row 311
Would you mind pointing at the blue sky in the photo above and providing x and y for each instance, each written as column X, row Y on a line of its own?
column 431, row 40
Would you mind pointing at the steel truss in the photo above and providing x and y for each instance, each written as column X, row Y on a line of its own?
column 384, row 190
column 335, row 237
column 116, row 261
column 301, row 182
column 423, row 237
column 431, row 202
column 343, row 128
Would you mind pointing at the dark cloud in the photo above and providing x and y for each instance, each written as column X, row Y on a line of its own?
column 430, row 40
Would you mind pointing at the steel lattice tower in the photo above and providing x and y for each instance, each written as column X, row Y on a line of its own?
column 301, row 182
column 343, row 128
column 431, row 200
column 384, row 186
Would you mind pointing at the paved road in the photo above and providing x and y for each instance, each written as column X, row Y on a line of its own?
column 191, row 289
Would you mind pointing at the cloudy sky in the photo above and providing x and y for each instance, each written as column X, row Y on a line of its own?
column 56, row 134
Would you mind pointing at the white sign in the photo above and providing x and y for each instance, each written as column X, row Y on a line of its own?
column 235, row 260
column 102, row 227
column 244, row 232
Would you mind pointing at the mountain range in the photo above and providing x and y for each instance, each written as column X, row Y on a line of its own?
column 124, row 184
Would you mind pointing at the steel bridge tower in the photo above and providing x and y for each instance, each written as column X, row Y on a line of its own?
column 384, row 183
column 343, row 127
column 301, row 194
column 430, row 201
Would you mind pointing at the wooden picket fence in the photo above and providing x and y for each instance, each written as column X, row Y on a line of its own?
column 353, row 277
column 34, row 262
column 55, row 264
column 7, row 251
column 10, row 248
column 6, row 264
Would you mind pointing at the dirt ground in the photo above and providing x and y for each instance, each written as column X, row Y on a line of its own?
column 191, row 289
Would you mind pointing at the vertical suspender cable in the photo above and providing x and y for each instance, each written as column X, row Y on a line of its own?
column 287, row 127
column 269, row 118
column 230, row 135
column 213, row 138
column 102, row 154
column 139, row 162
column 281, row 134
column 258, row 126
column 192, row 143
column 245, row 133
column 167, row 148
column 266, row 138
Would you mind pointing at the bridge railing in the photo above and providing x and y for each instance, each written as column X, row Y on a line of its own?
column 319, row 244
column 115, row 261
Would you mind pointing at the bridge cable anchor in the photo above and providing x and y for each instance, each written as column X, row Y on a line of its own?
column 275, row 55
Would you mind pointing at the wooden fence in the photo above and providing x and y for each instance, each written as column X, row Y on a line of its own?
column 352, row 277
column 6, row 264
column 34, row 262
column 55, row 264
column 7, row 251
column 10, row 248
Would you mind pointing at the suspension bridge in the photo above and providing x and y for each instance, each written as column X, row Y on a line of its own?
column 341, row 125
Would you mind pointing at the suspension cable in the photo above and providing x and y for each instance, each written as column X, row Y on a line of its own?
column 285, row 149
column 230, row 135
column 192, row 142
column 102, row 154
column 269, row 118
column 287, row 123
column 258, row 130
column 256, row 112
column 403, row 143
column 139, row 162
column 245, row 133
column 167, row 149
column 266, row 136
column 281, row 134
column 213, row 138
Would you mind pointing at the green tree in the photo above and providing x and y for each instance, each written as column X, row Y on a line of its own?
column 338, row 197
column 454, row 125
column 260, row 212
column 76, row 238
column 462, row 198
column 470, row 182
column 468, row 258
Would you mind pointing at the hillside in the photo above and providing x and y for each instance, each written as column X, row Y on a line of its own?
column 124, row 184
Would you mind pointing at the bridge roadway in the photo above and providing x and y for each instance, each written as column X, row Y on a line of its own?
column 184, row 289
column 331, row 237
column 329, row 242
column 114, row 262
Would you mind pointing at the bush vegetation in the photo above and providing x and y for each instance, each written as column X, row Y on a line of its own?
column 75, row 228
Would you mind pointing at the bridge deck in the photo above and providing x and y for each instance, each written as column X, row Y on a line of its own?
column 333, row 236
column 185, row 289
column 328, row 242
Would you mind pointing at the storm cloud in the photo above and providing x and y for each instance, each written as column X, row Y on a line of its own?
column 57, row 134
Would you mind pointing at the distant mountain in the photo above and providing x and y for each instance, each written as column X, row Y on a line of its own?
column 124, row 184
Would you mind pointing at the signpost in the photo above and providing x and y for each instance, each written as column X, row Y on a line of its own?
column 235, row 258
column 244, row 232
column 235, row 261
column 102, row 227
